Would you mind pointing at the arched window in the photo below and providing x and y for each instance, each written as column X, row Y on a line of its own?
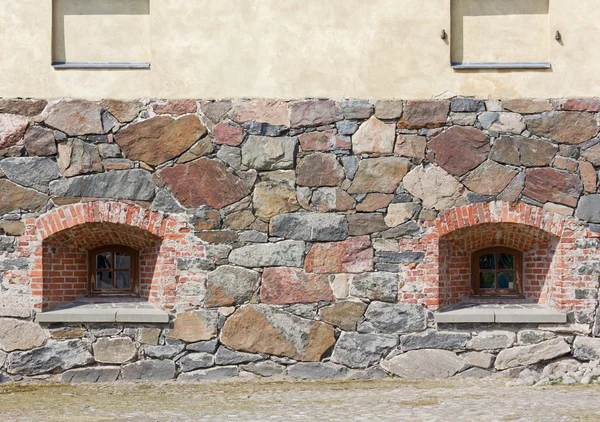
column 497, row 271
column 113, row 270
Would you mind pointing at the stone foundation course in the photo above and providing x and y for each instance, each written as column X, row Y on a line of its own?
column 313, row 239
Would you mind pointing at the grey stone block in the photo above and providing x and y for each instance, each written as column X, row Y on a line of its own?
column 317, row 371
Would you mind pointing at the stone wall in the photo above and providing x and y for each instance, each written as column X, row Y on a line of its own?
column 313, row 238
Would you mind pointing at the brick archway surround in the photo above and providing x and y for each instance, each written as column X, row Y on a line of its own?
column 65, row 234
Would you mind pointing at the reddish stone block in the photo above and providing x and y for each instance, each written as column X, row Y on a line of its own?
column 226, row 133
column 349, row 256
column 176, row 107
column 591, row 105
column 285, row 286
column 549, row 185
column 424, row 114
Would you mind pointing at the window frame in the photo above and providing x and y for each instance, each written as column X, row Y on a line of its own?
column 518, row 271
column 133, row 271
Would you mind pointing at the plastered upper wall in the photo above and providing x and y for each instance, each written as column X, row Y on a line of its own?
column 293, row 49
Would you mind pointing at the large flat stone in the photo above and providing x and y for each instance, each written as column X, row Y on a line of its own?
column 424, row 114
column 358, row 350
column 393, row 318
column 320, row 227
column 91, row 375
column 40, row 141
column 288, row 253
column 521, row 151
column 344, row 315
column 566, row 127
column 426, row 363
column 586, row 348
column 265, row 329
column 149, row 370
column 230, row 286
column 437, row 189
column 24, row 107
column 550, row 185
column 492, row 340
column 368, row 177
column 17, row 334
column 380, row 286
column 76, row 117
column 273, row 198
column 224, row 356
column 54, row 357
column 133, row 184
column 195, row 326
column 114, row 350
column 317, row 371
column 350, row 256
column 318, row 169
column 588, row 208
column 193, row 361
column 309, row 113
column 529, row 355
column 267, row 153
column 374, row 136
column 284, row 286
column 224, row 372
column 490, row 178
column 433, row 339
column 459, row 149
column 14, row 197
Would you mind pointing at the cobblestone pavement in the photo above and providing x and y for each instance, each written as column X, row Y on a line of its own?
column 452, row 400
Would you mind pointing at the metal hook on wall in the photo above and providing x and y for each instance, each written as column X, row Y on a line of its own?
column 558, row 36
column 444, row 35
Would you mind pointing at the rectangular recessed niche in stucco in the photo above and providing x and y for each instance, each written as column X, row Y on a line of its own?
column 101, row 31
column 500, row 32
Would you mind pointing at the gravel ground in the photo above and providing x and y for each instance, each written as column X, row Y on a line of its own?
column 387, row 400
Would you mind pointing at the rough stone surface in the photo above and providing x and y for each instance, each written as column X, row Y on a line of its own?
column 349, row 256
column 424, row 114
column 308, row 113
column 264, row 369
column 230, row 155
column 361, row 224
column 331, row 199
column 549, row 185
column 271, row 112
column 467, row 105
column 20, row 335
column 91, row 375
column 289, row 253
column 388, row 109
column 360, row 350
column 168, row 351
column 437, row 189
column 195, row 326
column 149, row 370
column 77, row 157
column 426, row 363
column 520, row 151
column 40, row 141
column 123, row 111
column 412, row 146
column 368, row 177
column 588, row 208
column 586, row 348
column 31, row 172
column 588, row 176
column 29, row 107
column 529, row 355
column 54, row 357
column 225, row 356
column 264, row 329
column 344, row 315
column 527, row 106
column 433, row 339
column 210, row 374
column 114, row 350
column 317, row 371
column 459, row 149
column 374, row 137
column 490, row 178
column 478, row 359
column 310, row 226
column 326, row 140
column 226, row 133
column 563, row 126
column 274, row 198
column 356, row 109
column 12, row 129
column 374, row 202
column 230, row 286
column 77, row 117
column 204, row 182
column 135, row 184
column 379, row 286
column 193, row 361
column 400, row 213
column 266, row 153
column 283, row 286
column 319, row 169
column 492, row 340
column 393, row 318
column 527, row 337
column 502, row 122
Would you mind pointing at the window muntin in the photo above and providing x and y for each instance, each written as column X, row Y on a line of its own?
column 113, row 270
column 497, row 271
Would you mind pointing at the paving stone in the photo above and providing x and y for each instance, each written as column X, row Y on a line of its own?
column 284, row 286
column 365, row 223
column 344, row 315
column 478, row 359
column 319, row 169
column 114, row 350
column 368, row 177
column 566, row 127
column 135, row 184
column 223, row 372
column 55, row 356
column 490, row 178
column 289, row 253
column 393, row 318
column 31, row 172
column 379, row 286
column 195, row 326
column 317, row 371
column 91, row 375
column 230, row 286
column 266, row 153
column 40, row 141
column 76, row 117
column 358, row 350
column 374, row 136
column 459, row 149
column 310, row 113
column 549, row 185
column 310, row 226
column 16, row 334
column 265, row 368
column 225, row 356
column 204, row 182
column 529, row 355
column 521, row 151
column 268, row 330
column 586, row 348
column 422, row 364
column 77, row 157
column 193, row 361
column 433, row 339
column 437, row 189
column 527, row 106
column 149, row 370
column 350, row 256
column 424, row 114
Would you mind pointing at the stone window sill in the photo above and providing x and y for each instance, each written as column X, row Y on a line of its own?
column 530, row 313
column 504, row 65
column 106, row 312
column 110, row 65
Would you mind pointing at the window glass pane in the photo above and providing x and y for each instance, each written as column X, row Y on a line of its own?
column 104, row 260
column 506, row 262
column 506, row 280
column 122, row 261
column 486, row 280
column 487, row 262
column 122, row 280
column 103, row 280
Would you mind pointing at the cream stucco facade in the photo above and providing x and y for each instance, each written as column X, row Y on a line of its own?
column 312, row 48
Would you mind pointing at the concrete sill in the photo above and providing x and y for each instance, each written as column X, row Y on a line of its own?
column 144, row 314
column 501, row 314
column 501, row 65
column 94, row 65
